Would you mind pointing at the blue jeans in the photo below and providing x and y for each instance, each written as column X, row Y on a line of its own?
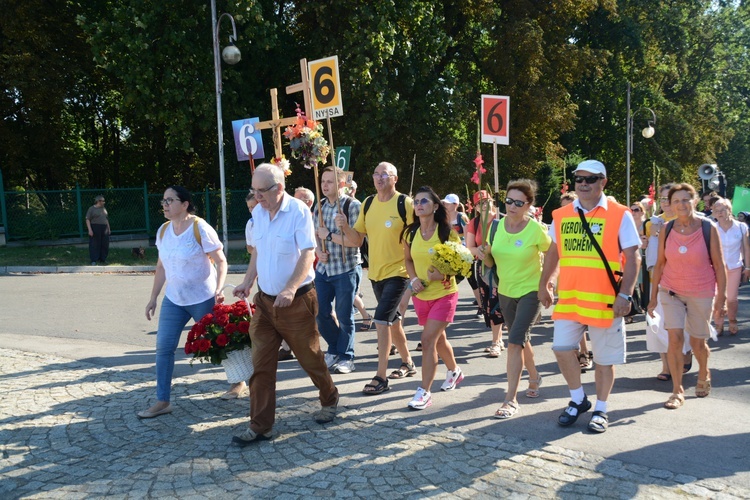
column 342, row 287
column 172, row 319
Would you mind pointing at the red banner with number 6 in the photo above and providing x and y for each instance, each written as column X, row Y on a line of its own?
column 495, row 119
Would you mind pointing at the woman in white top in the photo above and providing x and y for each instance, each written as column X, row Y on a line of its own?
column 736, row 249
column 193, row 283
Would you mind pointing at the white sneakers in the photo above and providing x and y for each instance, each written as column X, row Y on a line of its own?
column 452, row 379
column 331, row 360
column 344, row 366
column 422, row 399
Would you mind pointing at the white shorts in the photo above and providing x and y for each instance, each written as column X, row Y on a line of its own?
column 607, row 344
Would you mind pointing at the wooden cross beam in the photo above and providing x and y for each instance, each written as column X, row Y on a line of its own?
column 303, row 86
column 275, row 123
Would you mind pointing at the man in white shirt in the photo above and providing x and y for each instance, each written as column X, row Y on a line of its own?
column 284, row 241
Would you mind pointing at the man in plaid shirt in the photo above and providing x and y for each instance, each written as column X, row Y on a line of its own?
column 336, row 277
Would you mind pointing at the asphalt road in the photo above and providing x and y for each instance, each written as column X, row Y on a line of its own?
column 99, row 318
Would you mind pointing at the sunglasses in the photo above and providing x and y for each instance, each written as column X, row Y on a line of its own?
column 636, row 209
column 422, row 201
column 518, row 203
column 167, row 201
column 591, row 179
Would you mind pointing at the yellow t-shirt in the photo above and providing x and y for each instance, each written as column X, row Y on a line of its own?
column 518, row 258
column 421, row 254
column 383, row 225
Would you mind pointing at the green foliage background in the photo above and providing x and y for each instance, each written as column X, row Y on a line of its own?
column 116, row 93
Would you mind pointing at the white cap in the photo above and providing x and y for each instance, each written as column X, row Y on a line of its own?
column 593, row 166
column 451, row 198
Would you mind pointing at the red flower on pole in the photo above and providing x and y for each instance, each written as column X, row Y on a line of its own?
column 479, row 169
column 564, row 188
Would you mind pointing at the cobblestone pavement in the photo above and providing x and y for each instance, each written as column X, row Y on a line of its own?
column 68, row 430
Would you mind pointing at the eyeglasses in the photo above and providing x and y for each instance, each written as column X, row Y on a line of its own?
column 383, row 176
column 422, row 201
column 635, row 209
column 683, row 202
column 263, row 191
column 664, row 199
column 518, row 203
column 167, row 201
column 591, row 179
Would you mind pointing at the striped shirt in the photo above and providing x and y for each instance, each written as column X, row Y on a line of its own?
column 336, row 264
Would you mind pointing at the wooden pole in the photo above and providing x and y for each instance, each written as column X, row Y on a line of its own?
column 494, row 154
column 413, row 167
column 336, row 178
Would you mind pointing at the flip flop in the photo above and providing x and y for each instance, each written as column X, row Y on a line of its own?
column 665, row 377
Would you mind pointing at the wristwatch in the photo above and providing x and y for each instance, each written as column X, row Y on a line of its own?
column 330, row 236
column 629, row 298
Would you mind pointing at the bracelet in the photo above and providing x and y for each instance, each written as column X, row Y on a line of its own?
column 411, row 282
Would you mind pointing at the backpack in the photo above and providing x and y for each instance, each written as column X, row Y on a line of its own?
column 705, row 227
column 196, row 233
column 364, row 250
column 344, row 207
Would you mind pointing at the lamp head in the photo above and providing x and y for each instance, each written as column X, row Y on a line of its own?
column 648, row 132
column 231, row 54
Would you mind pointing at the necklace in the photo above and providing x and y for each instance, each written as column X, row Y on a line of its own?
column 426, row 231
column 686, row 226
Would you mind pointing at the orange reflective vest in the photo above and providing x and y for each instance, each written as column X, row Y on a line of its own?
column 584, row 289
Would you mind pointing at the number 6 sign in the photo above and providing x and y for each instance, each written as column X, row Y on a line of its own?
column 247, row 140
column 495, row 118
column 325, row 88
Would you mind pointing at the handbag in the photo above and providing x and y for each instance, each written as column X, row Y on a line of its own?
column 634, row 309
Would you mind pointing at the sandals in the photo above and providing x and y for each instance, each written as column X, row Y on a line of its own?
column 534, row 393
column 406, row 370
column 366, row 324
column 674, row 401
column 720, row 330
column 379, row 388
column 599, row 422
column 506, row 411
column 585, row 361
column 703, row 388
column 495, row 349
column 733, row 328
column 664, row 377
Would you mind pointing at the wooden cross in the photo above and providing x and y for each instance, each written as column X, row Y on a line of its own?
column 275, row 123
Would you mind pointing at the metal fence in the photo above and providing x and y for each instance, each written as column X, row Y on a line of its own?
column 51, row 215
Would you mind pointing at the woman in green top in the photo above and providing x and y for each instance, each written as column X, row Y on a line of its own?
column 518, row 246
column 435, row 296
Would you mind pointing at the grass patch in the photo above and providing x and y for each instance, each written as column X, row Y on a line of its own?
column 72, row 256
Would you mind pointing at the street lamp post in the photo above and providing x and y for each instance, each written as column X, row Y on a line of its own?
column 231, row 55
column 647, row 132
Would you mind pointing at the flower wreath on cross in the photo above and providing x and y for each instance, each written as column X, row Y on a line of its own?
column 306, row 140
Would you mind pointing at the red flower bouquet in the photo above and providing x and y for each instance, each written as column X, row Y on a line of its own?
column 220, row 332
